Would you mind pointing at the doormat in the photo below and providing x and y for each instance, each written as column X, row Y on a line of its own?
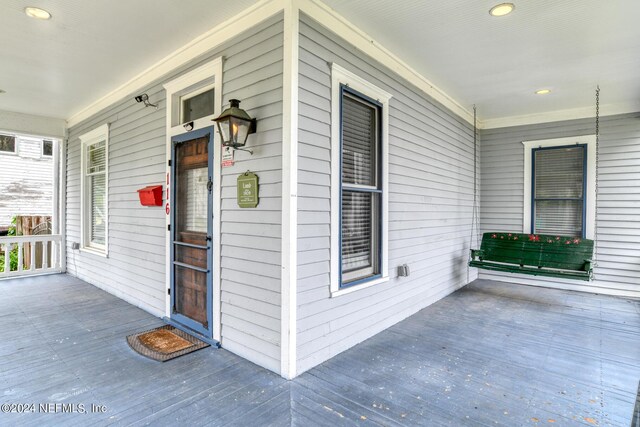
column 164, row 343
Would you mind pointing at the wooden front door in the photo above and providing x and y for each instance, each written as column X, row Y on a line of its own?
column 191, row 230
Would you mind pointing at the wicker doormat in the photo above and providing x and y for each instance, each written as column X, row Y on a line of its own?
column 164, row 343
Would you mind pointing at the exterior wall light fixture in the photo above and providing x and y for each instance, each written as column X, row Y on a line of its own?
column 235, row 126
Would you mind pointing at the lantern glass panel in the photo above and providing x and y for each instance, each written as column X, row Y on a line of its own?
column 240, row 129
column 223, row 128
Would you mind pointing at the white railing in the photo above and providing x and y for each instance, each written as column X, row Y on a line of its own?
column 30, row 255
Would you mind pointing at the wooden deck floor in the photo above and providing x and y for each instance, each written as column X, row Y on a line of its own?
column 490, row 354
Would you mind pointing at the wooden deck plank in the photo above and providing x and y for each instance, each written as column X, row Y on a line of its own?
column 490, row 354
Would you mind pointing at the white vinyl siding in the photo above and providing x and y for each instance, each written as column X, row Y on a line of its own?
column 250, row 238
column 618, row 235
column 95, row 149
column 430, row 199
column 26, row 180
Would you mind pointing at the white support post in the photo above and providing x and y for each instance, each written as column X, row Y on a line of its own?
column 45, row 254
column 289, row 242
column 60, row 254
column 20, row 246
column 7, row 260
column 32, row 252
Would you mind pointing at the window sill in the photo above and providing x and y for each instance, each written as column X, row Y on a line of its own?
column 359, row 286
column 94, row 251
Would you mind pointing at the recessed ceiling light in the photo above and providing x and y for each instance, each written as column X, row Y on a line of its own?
column 37, row 13
column 543, row 91
column 502, row 9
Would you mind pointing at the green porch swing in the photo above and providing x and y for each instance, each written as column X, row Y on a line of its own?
column 536, row 254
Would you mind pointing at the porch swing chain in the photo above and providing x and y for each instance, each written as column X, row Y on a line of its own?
column 595, row 222
column 474, row 214
column 475, row 177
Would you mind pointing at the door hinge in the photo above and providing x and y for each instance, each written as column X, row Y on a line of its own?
column 210, row 185
column 168, row 291
column 168, row 162
column 168, row 227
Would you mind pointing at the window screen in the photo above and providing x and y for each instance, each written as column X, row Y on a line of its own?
column 361, row 192
column 558, row 190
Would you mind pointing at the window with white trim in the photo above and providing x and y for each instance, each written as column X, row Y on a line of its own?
column 559, row 186
column 359, row 194
column 8, row 144
column 558, row 194
column 94, row 203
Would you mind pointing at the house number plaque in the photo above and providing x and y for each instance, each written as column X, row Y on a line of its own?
column 248, row 190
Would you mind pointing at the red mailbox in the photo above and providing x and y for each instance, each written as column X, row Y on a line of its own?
column 151, row 195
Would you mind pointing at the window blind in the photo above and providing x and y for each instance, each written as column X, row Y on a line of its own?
column 358, row 143
column 98, row 209
column 96, row 158
column 96, row 166
column 360, row 193
column 559, row 178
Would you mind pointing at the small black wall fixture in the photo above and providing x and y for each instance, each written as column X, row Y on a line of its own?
column 144, row 98
column 235, row 126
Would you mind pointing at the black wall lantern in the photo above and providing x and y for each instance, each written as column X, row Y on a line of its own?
column 235, row 125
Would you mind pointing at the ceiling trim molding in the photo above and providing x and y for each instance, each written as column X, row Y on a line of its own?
column 339, row 25
column 252, row 16
column 559, row 115
column 246, row 19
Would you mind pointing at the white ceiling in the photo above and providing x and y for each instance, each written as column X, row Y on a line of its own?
column 568, row 46
column 89, row 47
column 56, row 68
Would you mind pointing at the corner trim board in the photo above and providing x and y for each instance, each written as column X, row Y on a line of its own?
column 289, row 242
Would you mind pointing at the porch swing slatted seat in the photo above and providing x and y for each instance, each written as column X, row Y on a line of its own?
column 536, row 254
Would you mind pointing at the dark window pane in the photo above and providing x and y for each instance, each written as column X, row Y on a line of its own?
column 559, row 173
column 192, row 176
column 358, row 142
column 47, row 148
column 98, row 208
column 558, row 191
column 198, row 106
column 8, row 143
column 96, row 158
column 560, row 217
column 360, row 243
